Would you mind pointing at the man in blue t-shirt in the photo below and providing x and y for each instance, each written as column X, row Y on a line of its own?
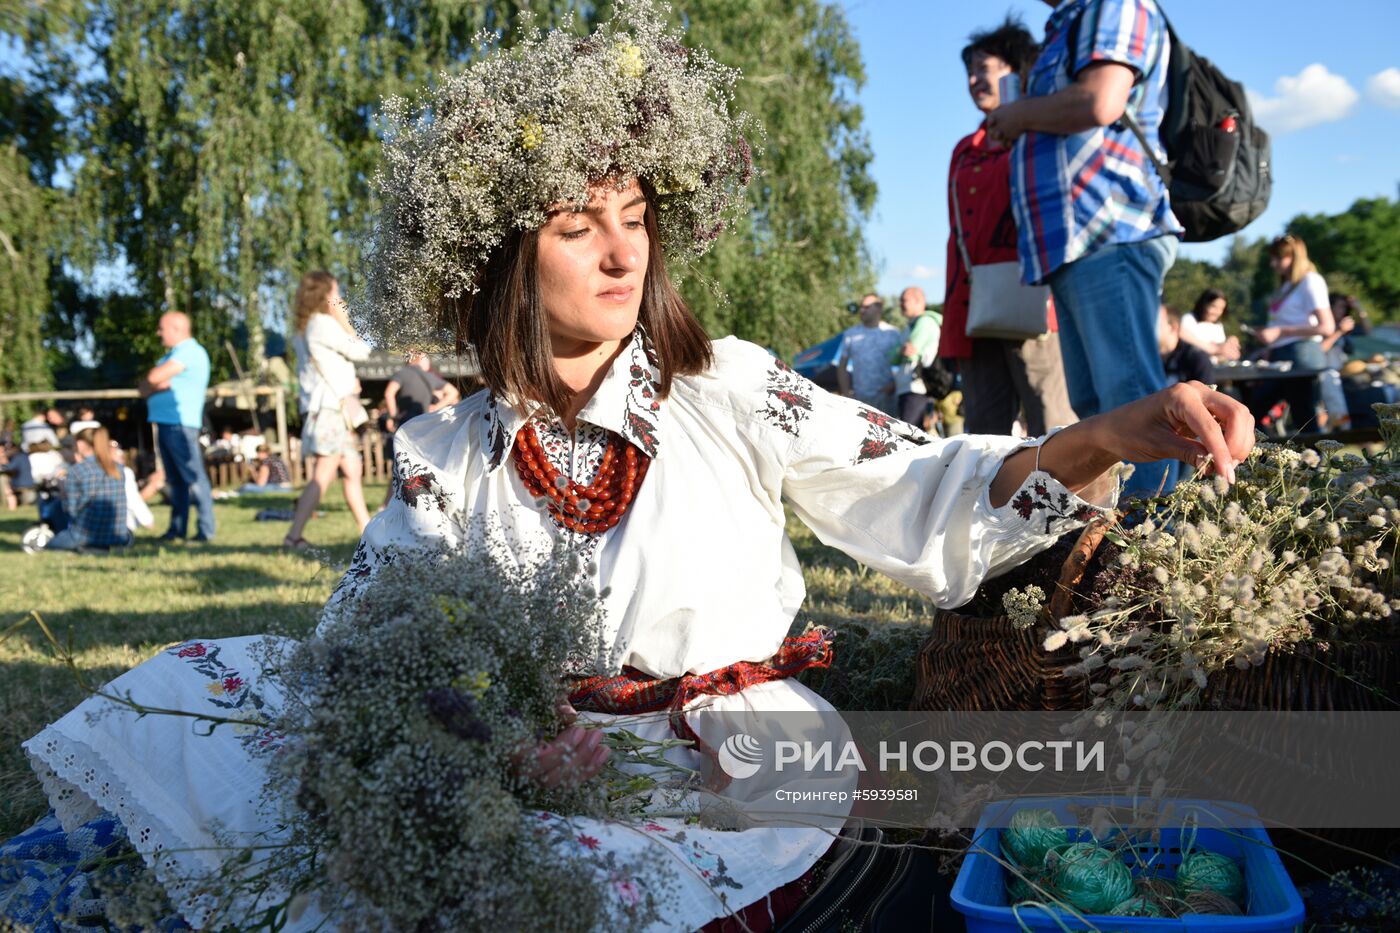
column 174, row 392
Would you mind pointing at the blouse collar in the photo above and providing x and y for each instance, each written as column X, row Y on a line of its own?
column 627, row 402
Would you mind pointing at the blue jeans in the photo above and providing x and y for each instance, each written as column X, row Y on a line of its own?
column 1107, row 304
column 184, row 470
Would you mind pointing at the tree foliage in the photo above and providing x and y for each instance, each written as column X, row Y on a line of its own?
column 25, row 241
column 801, row 254
column 222, row 147
column 1358, row 250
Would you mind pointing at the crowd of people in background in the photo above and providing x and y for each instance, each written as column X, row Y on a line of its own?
column 75, row 473
column 1055, row 182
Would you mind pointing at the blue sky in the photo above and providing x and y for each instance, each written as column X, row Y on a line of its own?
column 1335, row 125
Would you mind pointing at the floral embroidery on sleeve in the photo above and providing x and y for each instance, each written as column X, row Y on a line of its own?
column 363, row 565
column 415, row 483
column 1060, row 508
column 789, row 398
column 886, row 435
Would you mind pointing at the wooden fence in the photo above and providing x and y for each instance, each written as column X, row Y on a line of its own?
column 231, row 475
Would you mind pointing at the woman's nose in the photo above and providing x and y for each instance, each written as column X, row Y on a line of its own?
column 621, row 252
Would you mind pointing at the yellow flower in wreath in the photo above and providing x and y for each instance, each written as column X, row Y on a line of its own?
column 629, row 61
column 531, row 133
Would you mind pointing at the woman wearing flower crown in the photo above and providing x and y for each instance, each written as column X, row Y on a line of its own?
column 531, row 208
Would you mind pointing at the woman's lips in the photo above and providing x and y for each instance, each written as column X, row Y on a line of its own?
column 619, row 295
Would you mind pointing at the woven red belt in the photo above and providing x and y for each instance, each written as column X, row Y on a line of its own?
column 633, row 691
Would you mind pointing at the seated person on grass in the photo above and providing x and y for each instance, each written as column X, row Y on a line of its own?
column 94, row 497
column 269, row 474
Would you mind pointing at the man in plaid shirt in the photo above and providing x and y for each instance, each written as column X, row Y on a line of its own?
column 1094, row 221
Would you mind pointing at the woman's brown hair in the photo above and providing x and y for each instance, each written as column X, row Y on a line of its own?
column 509, row 328
column 1204, row 301
column 312, row 292
column 1290, row 245
column 101, row 443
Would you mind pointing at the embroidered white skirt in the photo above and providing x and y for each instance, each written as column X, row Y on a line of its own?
column 183, row 795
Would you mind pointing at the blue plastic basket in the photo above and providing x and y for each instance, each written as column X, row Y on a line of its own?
column 979, row 893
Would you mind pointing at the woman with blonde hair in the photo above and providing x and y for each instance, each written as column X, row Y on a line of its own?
column 327, row 349
column 1300, row 316
column 94, row 496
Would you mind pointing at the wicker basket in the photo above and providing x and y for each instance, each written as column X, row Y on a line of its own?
column 972, row 663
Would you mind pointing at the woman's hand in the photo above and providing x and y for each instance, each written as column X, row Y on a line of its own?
column 571, row 758
column 1268, row 335
column 1190, row 422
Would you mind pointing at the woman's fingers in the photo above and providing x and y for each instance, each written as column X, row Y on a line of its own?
column 1211, row 424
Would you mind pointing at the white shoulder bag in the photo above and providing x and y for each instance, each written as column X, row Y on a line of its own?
column 999, row 305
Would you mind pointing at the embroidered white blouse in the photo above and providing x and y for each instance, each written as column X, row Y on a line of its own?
column 700, row 571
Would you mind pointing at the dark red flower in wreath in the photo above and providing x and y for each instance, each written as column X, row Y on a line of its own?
column 588, row 842
column 233, row 684
column 195, row 650
column 1024, row 505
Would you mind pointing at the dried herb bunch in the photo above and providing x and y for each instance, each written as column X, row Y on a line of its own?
column 401, row 763
column 1299, row 553
column 488, row 151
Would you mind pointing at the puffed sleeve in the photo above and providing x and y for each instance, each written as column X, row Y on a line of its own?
column 420, row 512
column 917, row 507
column 329, row 335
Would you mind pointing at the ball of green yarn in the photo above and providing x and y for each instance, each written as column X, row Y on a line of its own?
column 1031, row 834
column 1212, row 902
column 1210, row 871
column 1018, row 890
column 1090, row 877
column 1136, row 907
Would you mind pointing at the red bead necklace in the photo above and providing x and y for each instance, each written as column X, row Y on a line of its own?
column 589, row 509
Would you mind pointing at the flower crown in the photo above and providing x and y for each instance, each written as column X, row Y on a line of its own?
column 490, row 150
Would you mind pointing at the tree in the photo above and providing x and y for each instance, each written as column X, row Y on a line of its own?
column 1361, row 246
column 25, row 240
column 793, row 263
column 227, row 146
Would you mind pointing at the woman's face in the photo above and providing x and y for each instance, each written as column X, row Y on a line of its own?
column 592, row 264
column 983, row 73
column 1214, row 311
column 1281, row 265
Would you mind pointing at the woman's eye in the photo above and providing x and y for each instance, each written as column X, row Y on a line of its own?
column 574, row 234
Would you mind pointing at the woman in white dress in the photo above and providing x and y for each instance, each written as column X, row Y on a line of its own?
column 327, row 350
column 598, row 377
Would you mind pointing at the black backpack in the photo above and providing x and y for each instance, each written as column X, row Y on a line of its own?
column 1218, row 171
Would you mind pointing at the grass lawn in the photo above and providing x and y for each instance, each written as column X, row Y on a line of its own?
column 120, row 609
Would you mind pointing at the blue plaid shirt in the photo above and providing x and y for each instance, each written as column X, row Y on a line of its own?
column 1076, row 194
column 96, row 505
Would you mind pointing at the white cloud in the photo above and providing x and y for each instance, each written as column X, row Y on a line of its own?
column 923, row 272
column 1347, row 158
column 1384, row 88
column 1315, row 95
